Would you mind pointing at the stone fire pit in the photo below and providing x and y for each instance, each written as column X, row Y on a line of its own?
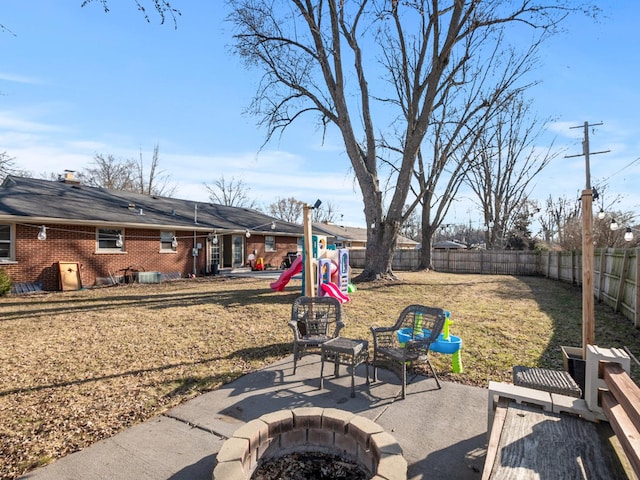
column 311, row 429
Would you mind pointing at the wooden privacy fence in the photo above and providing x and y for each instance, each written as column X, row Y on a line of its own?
column 616, row 271
column 489, row 262
column 615, row 276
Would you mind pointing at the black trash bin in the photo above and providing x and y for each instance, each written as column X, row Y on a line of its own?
column 215, row 269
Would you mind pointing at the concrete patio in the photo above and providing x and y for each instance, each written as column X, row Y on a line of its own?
column 442, row 432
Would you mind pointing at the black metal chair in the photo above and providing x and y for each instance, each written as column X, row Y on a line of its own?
column 314, row 320
column 419, row 327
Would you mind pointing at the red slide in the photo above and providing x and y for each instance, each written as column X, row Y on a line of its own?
column 331, row 290
column 295, row 268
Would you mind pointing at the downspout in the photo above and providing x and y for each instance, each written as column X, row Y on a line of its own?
column 194, row 253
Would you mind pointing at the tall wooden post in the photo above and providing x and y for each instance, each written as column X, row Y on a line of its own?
column 588, row 315
column 309, row 289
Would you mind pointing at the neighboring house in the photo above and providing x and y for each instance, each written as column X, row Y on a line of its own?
column 104, row 234
column 352, row 237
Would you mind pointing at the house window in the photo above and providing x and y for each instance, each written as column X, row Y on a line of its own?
column 110, row 239
column 166, row 241
column 300, row 244
column 269, row 243
column 5, row 242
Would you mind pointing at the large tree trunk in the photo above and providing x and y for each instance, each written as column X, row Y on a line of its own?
column 427, row 245
column 378, row 258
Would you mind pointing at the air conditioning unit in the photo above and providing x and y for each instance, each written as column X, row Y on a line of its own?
column 149, row 277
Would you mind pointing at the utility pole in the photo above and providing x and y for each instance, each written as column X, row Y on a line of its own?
column 588, row 314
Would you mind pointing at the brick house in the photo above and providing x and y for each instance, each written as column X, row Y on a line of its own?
column 51, row 228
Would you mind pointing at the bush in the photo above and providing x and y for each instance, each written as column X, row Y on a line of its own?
column 5, row 283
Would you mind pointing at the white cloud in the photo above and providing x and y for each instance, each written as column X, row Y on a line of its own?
column 10, row 77
column 13, row 121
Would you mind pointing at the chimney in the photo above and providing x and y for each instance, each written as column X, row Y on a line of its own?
column 69, row 177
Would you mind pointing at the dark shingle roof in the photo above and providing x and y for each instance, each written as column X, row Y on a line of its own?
column 353, row 234
column 449, row 244
column 341, row 233
column 60, row 201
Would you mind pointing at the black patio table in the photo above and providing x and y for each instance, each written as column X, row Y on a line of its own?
column 345, row 351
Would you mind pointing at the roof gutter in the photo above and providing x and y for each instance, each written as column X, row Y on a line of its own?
column 93, row 223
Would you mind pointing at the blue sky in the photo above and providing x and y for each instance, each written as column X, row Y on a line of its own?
column 75, row 82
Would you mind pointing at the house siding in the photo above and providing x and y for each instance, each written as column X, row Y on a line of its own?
column 283, row 245
column 36, row 261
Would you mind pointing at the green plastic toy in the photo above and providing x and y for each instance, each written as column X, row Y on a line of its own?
column 456, row 357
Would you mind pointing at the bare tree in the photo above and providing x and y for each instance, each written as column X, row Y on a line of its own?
column 317, row 55
column 156, row 182
column 464, row 106
column 233, row 193
column 557, row 217
column 609, row 224
column 162, row 7
column 411, row 226
column 561, row 221
column 507, row 160
column 128, row 175
column 287, row 209
column 519, row 236
column 610, row 231
column 604, row 235
column 325, row 213
column 110, row 172
column 8, row 167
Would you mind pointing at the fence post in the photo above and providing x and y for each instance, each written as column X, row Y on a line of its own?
column 548, row 269
column 603, row 266
column 623, row 277
column 636, row 317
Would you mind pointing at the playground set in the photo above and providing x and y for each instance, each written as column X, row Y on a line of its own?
column 331, row 268
column 331, row 277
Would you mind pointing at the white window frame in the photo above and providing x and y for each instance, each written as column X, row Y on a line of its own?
column 165, row 243
column 10, row 242
column 112, row 236
column 270, row 243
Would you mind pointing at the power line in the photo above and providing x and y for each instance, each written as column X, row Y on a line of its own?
column 623, row 168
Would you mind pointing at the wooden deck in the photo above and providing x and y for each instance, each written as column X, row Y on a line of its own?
column 529, row 443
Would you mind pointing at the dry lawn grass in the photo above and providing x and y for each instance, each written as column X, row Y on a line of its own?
column 81, row 366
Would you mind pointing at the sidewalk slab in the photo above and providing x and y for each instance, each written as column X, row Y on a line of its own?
column 161, row 448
